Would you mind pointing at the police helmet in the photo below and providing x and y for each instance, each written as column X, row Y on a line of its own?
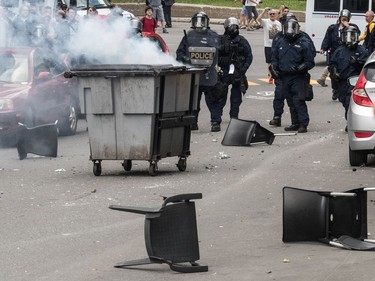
column 231, row 21
column 345, row 13
column 291, row 28
column 200, row 21
column 232, row 26
column 285, row 17
column 136, row 25
column 349, row 36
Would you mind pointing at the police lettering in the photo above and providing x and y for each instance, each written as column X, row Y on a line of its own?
column 201, row 56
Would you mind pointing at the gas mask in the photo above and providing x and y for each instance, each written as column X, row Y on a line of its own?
column 232, row 30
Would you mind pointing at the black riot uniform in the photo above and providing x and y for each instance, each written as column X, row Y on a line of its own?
column 332, row 40
column 199, row 47
column 347, row 61
column 279, row 96
column 292, row 57
column 235, row 57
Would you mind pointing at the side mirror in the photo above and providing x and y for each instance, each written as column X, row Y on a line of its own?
column 353, row 80
column 43, row 75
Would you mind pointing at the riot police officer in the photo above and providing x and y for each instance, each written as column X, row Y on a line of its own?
column 235, row 57
column 279, row 96
column 331, row 41
column 292, row 57
column 199, row 47
column 347, row 60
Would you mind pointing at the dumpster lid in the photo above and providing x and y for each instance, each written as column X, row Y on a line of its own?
column 129, row 69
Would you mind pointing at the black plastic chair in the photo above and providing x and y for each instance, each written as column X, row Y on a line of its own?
column 335, row 218
column 40, row 140
column 171, row 234
column 244, row 132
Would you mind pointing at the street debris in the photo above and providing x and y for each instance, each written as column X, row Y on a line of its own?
column 222, row 155
column 60, row 170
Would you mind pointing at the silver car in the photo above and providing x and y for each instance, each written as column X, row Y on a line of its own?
column 361, row 118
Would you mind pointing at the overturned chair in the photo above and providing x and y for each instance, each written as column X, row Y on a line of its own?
column 244, row 132
column 171, row 234
column 335, row 218
column 40, row 140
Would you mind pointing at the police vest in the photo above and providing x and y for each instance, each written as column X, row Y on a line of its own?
column 232, row 52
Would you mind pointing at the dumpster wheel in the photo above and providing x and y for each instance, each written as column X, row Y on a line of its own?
column 153, row 169
column 127, row 164
column 181, row 165
column 97, row 168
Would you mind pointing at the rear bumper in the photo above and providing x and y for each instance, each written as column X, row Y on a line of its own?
column 361, row 119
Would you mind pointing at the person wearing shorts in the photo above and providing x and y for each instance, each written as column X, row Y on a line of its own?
column 243, row 19
column 158, row 13
column 271, row 27
column 251, row 13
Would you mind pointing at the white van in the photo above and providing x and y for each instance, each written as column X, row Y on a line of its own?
column 322, row 13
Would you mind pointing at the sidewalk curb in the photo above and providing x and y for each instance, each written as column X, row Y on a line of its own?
column 184, row 12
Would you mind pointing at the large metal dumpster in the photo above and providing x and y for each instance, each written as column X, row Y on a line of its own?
column 138, row 112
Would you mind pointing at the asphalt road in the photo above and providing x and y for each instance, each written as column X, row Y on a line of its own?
column 56, row 225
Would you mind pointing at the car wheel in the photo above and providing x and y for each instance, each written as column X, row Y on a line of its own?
column 28, row 117
column 357, row 157
column 68, row 126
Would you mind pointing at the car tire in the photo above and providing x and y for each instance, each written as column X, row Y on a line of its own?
column 68, row 126
column 357, row 157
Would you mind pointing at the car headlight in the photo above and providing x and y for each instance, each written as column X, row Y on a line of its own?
column 6, row 104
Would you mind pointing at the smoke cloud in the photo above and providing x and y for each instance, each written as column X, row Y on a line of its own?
column 115, row 43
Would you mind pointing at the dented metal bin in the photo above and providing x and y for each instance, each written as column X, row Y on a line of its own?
column 138, row 112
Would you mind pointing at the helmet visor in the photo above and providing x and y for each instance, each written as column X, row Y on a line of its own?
column 292, row 28
column 200, row 22
column 350, row 37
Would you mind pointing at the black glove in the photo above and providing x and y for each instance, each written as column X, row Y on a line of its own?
column 292, row 69
column 302, row 68
column 186, row 59
column 335, row 74
column 274, row 73
column 353, row 60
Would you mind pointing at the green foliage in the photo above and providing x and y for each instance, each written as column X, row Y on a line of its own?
column 296, row 5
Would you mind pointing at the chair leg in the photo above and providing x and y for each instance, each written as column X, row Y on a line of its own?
column 137, row 262
column 195, row 267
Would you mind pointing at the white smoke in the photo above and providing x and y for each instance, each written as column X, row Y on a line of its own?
column 115, row 43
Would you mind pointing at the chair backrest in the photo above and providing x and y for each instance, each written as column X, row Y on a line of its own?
column 173, row 235
column 244, row 132
column 323, row 216
column 305, row 215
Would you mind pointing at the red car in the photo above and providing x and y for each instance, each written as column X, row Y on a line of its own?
column 33, row 91
column 158, row 39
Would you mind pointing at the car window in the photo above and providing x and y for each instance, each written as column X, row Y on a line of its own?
column 369, row 72
column 14, row 68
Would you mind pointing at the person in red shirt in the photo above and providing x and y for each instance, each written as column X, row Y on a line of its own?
column 148, row 21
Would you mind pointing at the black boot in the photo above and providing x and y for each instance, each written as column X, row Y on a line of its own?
column 215, row 127
column 194, row 127
column 276, row 121
column 302, row 129
column 293, row 127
